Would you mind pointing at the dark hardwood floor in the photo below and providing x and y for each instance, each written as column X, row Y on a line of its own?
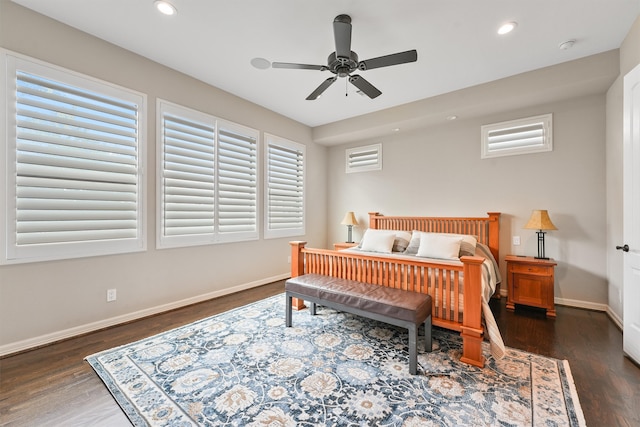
column 54, row 386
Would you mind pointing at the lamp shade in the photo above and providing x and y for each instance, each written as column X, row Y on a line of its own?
column 540, row 221
column 349, row 219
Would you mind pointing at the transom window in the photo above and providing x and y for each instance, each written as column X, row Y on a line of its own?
column 523, row 136
column 362, row 159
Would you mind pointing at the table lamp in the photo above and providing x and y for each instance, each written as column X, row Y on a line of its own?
column 349, row 220
column 540, row 221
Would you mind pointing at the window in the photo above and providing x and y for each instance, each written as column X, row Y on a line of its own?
column 284, row 200
column 73, row 166
column 524, row 136
column 363, row 159
column 207, row 179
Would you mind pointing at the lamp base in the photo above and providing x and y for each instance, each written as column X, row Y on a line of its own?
column 541, row 245
column 349, row 238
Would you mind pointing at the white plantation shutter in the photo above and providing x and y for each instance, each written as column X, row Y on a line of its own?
column 207, row 179
column 285, row 164
column 523, row 136
column 360, row 159
column 238, row 174
column 188, row 198
column 75, row 153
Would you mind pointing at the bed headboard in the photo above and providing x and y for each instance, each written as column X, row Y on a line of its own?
column 486, row 230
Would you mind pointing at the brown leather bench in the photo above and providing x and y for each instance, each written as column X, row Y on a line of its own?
column 394, row 306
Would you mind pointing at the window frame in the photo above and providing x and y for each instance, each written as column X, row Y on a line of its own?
column 546, row 123
column 270, row 233
column 216, row 236
column 12, row 253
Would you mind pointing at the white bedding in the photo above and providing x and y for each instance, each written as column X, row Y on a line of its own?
column 491, row 278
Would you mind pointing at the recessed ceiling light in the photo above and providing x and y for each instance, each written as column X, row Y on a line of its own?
column 396, row 129
column 507, row 27
column 452, row 117
column 260, row 63
column 165, row 7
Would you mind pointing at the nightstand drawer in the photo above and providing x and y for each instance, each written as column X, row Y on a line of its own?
column 529, row 269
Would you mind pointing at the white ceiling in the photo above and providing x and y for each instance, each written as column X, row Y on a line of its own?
column 214, row 41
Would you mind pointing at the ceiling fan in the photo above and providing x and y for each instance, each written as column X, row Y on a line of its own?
column 344, row 61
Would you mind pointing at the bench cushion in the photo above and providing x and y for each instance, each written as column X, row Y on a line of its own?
column 399, row 304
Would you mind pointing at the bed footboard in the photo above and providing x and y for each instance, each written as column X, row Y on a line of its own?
column 443, row 281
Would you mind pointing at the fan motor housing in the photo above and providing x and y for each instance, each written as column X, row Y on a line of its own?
column 342, row 66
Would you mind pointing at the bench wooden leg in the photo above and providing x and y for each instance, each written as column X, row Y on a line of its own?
column 428, row 340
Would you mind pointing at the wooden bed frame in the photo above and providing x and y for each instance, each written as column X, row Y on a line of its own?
column 440, row 280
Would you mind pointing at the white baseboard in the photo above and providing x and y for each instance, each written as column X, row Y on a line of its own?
column 574, row 303
column 593, row 306
column 586, row 305
column 113, row 321
column 615, row 318
column 582, row 304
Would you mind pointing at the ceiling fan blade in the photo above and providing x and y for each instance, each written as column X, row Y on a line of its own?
column 342, row 35
column 387, row 60
column 325, row 84
column 298, row 66
column 370, row 90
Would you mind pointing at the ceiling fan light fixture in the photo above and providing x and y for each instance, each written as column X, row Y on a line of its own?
column 165, row 7
column 507, row 27
column 260, row 63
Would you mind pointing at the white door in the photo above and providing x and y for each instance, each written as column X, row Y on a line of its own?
column 631, row 221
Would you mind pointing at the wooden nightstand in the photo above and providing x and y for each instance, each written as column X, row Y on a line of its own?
column 530, row 281
column 343, row 245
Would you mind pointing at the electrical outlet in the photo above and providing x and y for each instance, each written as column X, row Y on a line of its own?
column 111, row 295
column 516, row 240
column 289, row 259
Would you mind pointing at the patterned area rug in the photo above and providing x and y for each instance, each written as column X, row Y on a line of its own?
column 245, row 368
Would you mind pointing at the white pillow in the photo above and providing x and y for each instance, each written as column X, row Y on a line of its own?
column 441, row 246
column 467, row 245
column 377, row 241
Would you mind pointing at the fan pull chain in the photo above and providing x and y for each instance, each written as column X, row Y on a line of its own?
column 346, row 87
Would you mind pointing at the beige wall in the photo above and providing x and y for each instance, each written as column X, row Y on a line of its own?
column 438, row 171
column 48, row 300
column 629, row 59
